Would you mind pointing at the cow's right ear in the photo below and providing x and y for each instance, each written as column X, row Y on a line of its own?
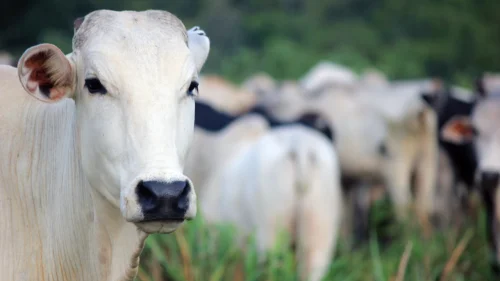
column 199, row 45
column 46, row 73
column 458, row 130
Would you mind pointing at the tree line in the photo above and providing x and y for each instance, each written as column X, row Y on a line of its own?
column 453, row 39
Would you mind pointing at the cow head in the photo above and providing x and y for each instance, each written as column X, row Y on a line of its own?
column 483, row 129
column 133, row 77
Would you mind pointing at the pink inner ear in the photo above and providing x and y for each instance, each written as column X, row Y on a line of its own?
column 39, row 73
column 32, row 86
column 56, row 94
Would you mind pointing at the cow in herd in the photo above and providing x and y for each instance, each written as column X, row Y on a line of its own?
column 105, row 145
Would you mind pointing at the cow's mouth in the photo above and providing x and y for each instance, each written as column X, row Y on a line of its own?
column 159, row 226
column 162, row 220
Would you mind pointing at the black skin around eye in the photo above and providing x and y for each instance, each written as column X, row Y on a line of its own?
column 94, row 86
column 193, row 86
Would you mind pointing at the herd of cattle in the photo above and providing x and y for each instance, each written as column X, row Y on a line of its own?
column 107, row 144
column 260, row 159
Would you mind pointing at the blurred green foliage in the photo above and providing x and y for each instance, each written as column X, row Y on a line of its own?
column 199, row 252
column 454, row 39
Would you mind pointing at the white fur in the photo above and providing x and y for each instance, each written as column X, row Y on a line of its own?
column 199, row 44
column 266, row 181
column 68, row 169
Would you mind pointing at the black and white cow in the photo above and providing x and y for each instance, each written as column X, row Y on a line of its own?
column 452, row 102
column 457, row 161
column 477, row 130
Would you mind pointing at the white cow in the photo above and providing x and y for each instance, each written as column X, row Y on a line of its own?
column 411, row 141
column 93, row 147
column 266, row 181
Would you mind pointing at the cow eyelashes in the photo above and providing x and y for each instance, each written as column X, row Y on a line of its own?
column 94, row 86
column 192, row 88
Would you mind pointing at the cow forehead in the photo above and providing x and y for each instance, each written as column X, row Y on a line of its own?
column 129, row 27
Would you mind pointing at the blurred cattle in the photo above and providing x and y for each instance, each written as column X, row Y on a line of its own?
column 211, row 119
column 373, row 78
column 225, row 96
column 263, row 86
column 412, row 143
column 458, row 161
column 481, row 127
column 383, row 134
column 264, row 181
column 326, row 74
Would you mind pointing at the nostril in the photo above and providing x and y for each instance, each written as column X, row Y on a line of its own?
column 163, row 200
column 183, row 201
column 146, row 196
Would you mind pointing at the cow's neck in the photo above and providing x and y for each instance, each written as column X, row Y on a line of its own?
column 119, row 242
column 84, row 237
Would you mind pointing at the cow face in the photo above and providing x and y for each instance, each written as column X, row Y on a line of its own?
column 483, row 129
column 133, row 76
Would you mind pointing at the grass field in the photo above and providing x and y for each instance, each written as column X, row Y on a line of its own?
column 198, row 252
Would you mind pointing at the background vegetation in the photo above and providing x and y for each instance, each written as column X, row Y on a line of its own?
column 198, row 252
column 454, row 39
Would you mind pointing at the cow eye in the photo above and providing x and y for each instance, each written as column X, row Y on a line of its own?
column 94, row 86
column 193, row 89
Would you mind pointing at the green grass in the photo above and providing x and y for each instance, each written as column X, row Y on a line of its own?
column 199, row 252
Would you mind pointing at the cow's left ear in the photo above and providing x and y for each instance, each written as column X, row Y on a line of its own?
column 46, row 73
column 458, row 130
column 199, row 44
